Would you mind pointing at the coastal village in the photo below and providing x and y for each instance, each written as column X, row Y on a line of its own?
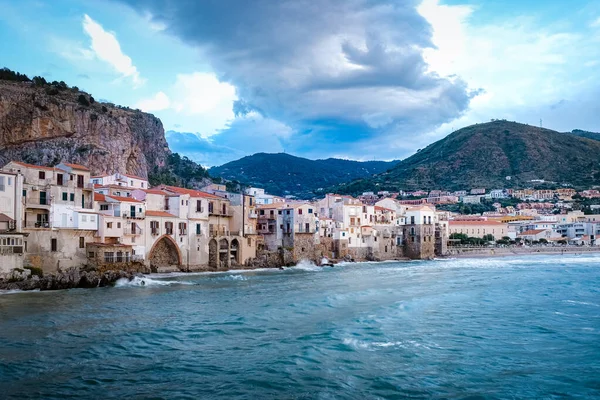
column 56, row 218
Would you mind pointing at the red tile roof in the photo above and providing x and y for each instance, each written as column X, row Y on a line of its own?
column 121, row 198
column 77, row 166
column 33, row 166
column 532, row 232
column 99, row 197
column 191, row 192
column 150, row 213
column 489, row 222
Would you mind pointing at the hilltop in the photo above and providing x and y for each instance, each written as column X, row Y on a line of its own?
column 498, row 154
column 283, row 173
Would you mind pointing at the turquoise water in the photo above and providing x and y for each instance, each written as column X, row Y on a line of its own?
column 526, row 327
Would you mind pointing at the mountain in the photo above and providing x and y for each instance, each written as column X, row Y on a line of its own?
column 46, row 123
column 498, row 154
column 283, row 174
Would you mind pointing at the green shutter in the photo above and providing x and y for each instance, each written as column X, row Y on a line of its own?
column 64, row 196
column 72, row 197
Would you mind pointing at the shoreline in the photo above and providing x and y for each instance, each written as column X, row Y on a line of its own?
column 64, row 281
column 508, row 252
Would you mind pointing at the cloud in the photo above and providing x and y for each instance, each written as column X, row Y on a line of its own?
column 160, row 101
column 106, row 47
column 358, row 62
column 245, row 135
column 197, row 102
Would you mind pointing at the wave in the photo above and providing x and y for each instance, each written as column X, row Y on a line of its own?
column 306, row 265
column 16, row 291
column 145, row 281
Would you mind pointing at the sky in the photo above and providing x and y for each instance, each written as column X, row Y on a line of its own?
column 355, row 79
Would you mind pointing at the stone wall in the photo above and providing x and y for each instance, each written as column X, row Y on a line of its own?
column 39, row 252
column 421, row 244
column 304, row 247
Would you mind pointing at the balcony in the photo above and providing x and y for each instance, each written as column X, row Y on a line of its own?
column 130, row 231
column 218, row 232
column 253, row 215
column 37, row 202
column 220, row 213
column 7, row 250
column 37, row 225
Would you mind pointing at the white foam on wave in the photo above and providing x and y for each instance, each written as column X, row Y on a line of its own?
column 583, row 303
column 16, row 291
column 305, row 265
column 145, row 281
column 362, row 345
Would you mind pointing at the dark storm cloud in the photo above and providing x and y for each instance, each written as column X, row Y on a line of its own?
column 356, row 61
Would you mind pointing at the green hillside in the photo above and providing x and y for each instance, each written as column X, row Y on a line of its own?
column 497, row 154
column 283, row 174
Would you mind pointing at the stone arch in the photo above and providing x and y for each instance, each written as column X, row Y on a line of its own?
column 223, row 253
column 213, row 254
column 234, row 252
column 164, row 253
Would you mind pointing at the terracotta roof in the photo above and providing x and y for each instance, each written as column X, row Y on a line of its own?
column 475, row 223
column 532, row 232
column 150, row 213
column 99, row 197
column 191, row 192
column 157, row 191
column 33, row 166
column 5, row 218
column 77, row 166
column 121, row 198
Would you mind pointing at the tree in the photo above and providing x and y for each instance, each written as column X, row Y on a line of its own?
column 83, row 100
column 489, row 237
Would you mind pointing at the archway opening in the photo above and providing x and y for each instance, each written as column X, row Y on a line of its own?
column 223, row 253
column 164, row 254
column 234, row 252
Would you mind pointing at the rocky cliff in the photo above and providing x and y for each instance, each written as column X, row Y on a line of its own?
column 45, row 125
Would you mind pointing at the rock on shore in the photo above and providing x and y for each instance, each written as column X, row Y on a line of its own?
column 68, row 279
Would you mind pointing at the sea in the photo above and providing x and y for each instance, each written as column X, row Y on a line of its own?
column 524, row 327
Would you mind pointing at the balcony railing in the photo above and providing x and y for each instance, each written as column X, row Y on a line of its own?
column 37, row 201
column 5, row 250
column 38, row 225
column 218, row 232
column 252, row 215
column 132, row 232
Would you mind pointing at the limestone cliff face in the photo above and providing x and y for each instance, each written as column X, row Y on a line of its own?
column 39, row 127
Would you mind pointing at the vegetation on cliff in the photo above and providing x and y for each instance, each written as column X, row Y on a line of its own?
column 47, row 123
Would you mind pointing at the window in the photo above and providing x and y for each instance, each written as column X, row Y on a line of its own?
column 310, row 210
column 181, row 202
column 169, row 228
column 42, row 175
column 81, row 242
column 187, row 202
column 279, row 212
column 198, row 229
column 154, row 227
column 412, row 220
column 24, row 193
column 118, row 225
column 262, row 212
column 288, row 212
column 109, row 225
column 92, row 218
column 65, row 196
column 211, row 207
column 9, row 181
column 53, row 245
column 299, row 211
column 109, row 257
column 72, row 197
column 272, row 212
column 182, row 228
column 2, row 188
column 119, row 256
column 199, row 206
column 307, row 227
column 103, row 207
column 249, row 241
column 142, row 184
column 91, row 254
column 84, row 218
